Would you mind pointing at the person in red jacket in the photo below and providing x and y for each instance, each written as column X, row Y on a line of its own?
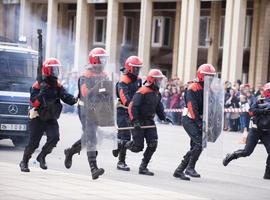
column 45, row 99
column 129, row 83
column 192, row 123
column 145, row 104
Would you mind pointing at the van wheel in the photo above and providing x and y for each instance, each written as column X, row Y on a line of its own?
column 19, row 142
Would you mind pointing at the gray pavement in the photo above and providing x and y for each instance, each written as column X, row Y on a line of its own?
column 242, row 179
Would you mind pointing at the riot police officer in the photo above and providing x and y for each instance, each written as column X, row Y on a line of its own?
column 145, row 104
column 192, row 123
column 92, row 75
column 260, row 130
column 125, row 89
column 45, row 99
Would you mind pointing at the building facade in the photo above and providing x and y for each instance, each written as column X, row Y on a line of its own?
column 175, row 36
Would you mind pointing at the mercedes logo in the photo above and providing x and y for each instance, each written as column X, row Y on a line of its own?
column 13, row 109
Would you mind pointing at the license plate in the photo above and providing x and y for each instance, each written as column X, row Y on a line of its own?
column 13, row 127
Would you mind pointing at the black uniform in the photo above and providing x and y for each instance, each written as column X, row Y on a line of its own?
column 87, row 94
column 125, row 90
column 192, row 124
column 45, row 98
column 142, row 109
column 260, row 130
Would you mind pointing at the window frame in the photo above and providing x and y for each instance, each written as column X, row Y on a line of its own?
column 124, row 39
column 104, row 18
column 160, row 43
column 207, row 31
column 72, row 34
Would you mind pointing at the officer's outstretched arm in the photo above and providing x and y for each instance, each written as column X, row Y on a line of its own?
column 160, row 110
column 66, row 97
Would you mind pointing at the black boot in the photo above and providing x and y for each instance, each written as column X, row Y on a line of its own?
column 69, row 152
column 144, row 170
column 179, row 172
column 121, row 165
column 95, row 171
column 267, row 172
column 42, row 155
column 190, row 170
column 26, row 157
column 42, row 161
column 230, row 157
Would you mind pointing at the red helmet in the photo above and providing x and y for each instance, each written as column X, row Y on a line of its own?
column 133, row 65
column 97, row 58
column 50, row 67
column 155, row 77
column 205, row 69
column 266, row 90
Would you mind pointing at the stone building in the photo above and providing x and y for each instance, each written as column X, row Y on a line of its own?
column 173, row 35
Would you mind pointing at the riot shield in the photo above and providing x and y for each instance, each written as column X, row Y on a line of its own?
column 213, row 109
column 97, row 112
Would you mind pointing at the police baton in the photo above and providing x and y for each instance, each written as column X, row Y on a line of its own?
column 131, row 127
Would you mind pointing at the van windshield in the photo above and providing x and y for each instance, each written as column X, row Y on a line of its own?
column 17, row 71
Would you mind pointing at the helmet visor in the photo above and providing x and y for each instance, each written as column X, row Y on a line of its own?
column 54, row 71
column 102, row 61
column 136, row 70
column 160, row 82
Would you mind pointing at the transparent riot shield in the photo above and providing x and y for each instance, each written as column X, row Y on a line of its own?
column 213, row 112
column 97, row 112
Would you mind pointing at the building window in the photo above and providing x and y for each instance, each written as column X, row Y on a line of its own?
column 71, row 28
column 128, row 31
column 161, row 31
column 100, row 31
column 247, row 40
column 221, row 33
column 204, row 31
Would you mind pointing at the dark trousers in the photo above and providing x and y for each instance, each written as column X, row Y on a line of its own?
column 37, row 129
column 151, row 137
column 195, row 134
column 252, row 140
column 89, row 137
column 123, row 121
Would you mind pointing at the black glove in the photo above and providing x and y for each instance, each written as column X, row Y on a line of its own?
column 168, row 120
column 137, row 125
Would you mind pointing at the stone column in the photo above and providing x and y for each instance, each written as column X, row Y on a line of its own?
column 2, row 29
column 25, row 27
column 82, row 36
column 227, row 40
column 239, row 21
column 145, row 34
column 111, row 33
column 263, row 43
column 234, row 40
column 51, row 28
column 182, row 40
column 254, row 42
column 189, row 35
column 214, row 33
column 176, row 39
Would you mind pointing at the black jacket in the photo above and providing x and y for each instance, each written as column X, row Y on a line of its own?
column 46, row 99
column 194, row 102
column 145, row 104
column 126, row 88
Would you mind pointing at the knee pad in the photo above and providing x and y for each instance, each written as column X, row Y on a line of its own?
column 152, row 145
column 136, row 149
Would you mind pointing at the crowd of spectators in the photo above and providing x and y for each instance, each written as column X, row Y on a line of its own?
column 237, row 95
